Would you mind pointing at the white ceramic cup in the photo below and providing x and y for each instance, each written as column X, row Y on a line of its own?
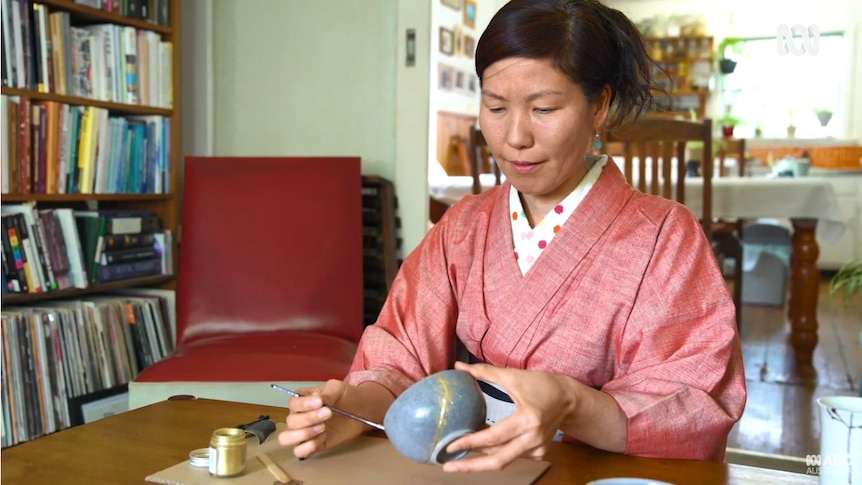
column 840, row 460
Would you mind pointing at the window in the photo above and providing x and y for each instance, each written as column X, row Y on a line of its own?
column 771, row 91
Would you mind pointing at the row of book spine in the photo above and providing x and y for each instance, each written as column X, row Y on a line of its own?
column 61, row 350
column 155, row 11
column 60, row 248
column 44, row 52
column 49, row 147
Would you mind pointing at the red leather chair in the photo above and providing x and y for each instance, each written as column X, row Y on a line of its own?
column 270, row 284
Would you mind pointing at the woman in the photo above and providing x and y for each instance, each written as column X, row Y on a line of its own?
column 597, row 311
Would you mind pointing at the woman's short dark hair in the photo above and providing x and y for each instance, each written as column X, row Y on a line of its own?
column 593, row 44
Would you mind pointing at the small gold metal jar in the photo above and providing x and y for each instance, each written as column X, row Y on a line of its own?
column 227, row 452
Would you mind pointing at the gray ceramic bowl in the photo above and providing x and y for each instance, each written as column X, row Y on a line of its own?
column 434, row 412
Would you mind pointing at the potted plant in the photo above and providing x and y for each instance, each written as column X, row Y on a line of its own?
column 728, row 123
column 823, row 115
column 758, row 130
column 726, row 64
column 791, row 126
column 848, row 280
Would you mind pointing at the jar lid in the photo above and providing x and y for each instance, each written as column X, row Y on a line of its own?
column 228, row 436
column 199, row 458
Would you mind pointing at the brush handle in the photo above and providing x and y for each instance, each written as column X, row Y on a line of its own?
column 334, row 409
column 276, row 470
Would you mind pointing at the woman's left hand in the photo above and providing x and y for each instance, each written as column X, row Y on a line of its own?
column 543, row 402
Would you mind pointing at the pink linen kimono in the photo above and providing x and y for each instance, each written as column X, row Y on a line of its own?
column 626, row 298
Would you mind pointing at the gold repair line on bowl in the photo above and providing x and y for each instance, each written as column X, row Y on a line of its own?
column 445, row 398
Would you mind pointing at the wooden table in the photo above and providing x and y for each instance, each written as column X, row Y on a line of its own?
column 130, row 446
column 811, row 205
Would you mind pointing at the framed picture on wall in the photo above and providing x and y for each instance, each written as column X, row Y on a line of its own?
column 469, row 45
column 458, row 40
column 460, row 80
column 447, row 41
column 470, row 13
column 456, row 4
column 446, row 76
column 473, row 84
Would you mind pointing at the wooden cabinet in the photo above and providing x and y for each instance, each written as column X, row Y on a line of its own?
column 684, row 69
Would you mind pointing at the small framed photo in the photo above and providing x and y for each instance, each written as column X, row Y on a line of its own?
column 456, row 4
column 473, row 84
column 460, row 81
column 447, row 41
column 470, row 13
column 458, row 39
column 97, row 405
column 469, row 46
column 446, row 76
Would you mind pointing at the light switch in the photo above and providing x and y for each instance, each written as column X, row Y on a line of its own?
column 410, row 60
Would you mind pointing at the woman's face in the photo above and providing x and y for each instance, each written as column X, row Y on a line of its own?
column 538, row 125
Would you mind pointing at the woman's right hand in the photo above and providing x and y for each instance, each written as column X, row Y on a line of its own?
column 311, row 426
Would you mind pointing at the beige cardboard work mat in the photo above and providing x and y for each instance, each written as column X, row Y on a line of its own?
column 365, row 460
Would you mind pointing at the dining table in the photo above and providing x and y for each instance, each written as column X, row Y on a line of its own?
column 154, row 444
column 811, row 205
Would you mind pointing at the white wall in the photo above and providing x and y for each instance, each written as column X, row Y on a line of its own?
column 196, row 79
column 411, row 122
column 306, row 78
column 447, row 101
column 328, row 77
column 761, row 18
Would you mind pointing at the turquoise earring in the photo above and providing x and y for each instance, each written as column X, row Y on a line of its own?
column 597, row 143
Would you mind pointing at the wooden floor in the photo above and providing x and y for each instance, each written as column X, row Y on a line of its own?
column 781, row 415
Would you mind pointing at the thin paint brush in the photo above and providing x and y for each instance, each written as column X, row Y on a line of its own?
column 334, row 409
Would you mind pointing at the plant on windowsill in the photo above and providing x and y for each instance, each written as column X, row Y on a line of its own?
column 728, row 123
column 726, row 64
column 823, row 115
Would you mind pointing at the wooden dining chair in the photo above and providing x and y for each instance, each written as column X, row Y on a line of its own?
column 480, row 160
column 730, row 147
column 727, row 233
column 654, row 158
column 657, row 148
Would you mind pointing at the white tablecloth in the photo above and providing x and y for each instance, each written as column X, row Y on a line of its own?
column 732, row 197
column 767, row 197
column 452, row 188
column 778, row 197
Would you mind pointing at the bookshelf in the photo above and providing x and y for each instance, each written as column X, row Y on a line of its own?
column 24, row 298
column 687, row 64
column 164, row 205
column 116, row 61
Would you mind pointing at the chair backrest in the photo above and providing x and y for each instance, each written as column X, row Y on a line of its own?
column 270, row 244
column 730, row 147
column 658, row 147
column 480, row 159
column 381, row 242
